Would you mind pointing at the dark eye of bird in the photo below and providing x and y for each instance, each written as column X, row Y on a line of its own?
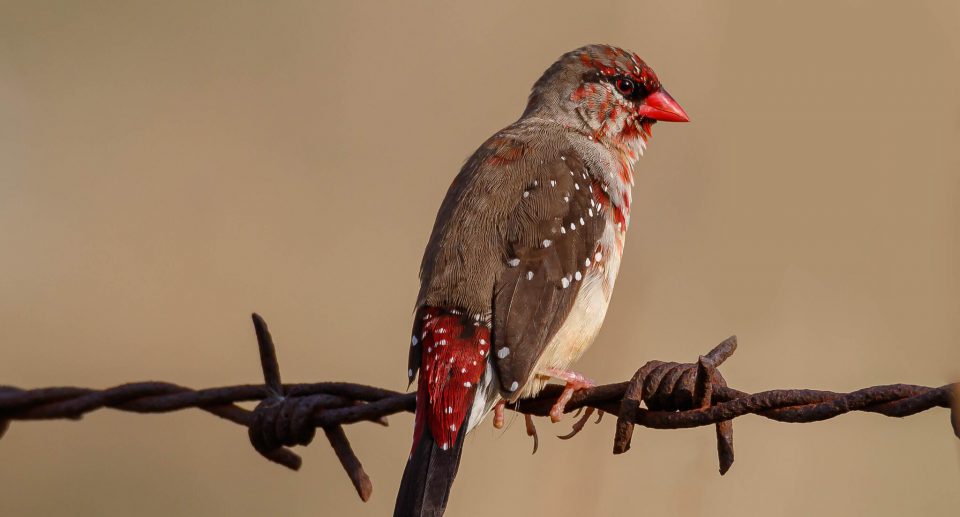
column 625, row 86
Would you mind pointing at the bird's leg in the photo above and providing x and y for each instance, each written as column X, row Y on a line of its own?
column 574, row 382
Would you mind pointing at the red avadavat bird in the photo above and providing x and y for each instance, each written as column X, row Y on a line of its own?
column 519, row 269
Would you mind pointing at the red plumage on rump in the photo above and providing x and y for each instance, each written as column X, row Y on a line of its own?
column 454, row 355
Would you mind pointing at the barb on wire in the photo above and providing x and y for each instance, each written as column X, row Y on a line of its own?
column 676, row 395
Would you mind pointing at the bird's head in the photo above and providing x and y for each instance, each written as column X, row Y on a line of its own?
column 606, row 92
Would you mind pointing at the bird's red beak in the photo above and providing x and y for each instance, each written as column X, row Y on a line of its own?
column 660, row 105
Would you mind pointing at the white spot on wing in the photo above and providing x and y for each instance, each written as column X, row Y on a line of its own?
column 514, row 386
column 514, row 262
column 503, row 352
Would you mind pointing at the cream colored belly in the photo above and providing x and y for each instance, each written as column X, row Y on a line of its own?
column 585, row 319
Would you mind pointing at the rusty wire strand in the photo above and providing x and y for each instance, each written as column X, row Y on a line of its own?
column 676, row 395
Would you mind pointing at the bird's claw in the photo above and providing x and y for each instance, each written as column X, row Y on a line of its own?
column 532, row 431
column 580, row 423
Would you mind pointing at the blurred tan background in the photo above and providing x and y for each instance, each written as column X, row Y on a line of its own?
column 168, row 167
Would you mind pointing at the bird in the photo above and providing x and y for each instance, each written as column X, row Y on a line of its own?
column 518, row 271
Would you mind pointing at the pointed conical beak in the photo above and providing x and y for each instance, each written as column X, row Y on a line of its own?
column 661, row 106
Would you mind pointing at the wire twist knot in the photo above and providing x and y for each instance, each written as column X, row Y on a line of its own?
column 283, row 422
column 670, row 386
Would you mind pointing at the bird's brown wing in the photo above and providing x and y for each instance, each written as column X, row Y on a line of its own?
column 550, row 238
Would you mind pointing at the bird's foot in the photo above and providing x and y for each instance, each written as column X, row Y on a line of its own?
column 498, row 420
column 574, row 382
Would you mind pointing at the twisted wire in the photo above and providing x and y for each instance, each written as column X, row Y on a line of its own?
column 675, row 396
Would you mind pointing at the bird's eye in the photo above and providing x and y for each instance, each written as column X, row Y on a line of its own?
column 625, row 86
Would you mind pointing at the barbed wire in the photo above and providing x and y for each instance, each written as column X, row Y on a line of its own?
column 676, row 395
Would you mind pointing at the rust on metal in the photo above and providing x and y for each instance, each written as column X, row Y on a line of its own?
column 661, row 395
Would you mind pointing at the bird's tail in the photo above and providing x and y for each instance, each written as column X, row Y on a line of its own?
column 428, row 477
column 451, row 352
